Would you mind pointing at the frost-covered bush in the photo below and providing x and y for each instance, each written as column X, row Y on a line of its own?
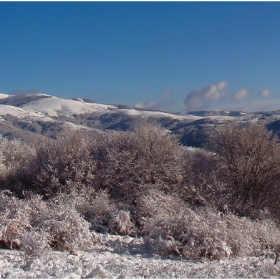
column 62, row 164
column 250, row 154
column 121, row 223
column 34, row 243
column 60, row 225
column 96, row 207
column 129, row 162
column 156, row 202
column 206, row 233
column 98, row 211
column 14, row 220
column 66, row 228
column 15, row 156
column 203, row 177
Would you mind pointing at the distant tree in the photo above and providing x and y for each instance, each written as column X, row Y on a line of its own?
column 251, row 156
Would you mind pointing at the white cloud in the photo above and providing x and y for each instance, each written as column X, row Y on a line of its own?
column 264, row 92
column 251, row 106
column 24, row 92
column 240, row 94
column 221, row 85
column 162, row 103
column 199, row 99
column 166, row 93
column 139, row 105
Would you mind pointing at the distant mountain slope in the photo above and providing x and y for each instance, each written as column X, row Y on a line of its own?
column 31, row 116
column 55, row 107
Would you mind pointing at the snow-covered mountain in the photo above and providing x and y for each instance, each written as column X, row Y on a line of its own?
column 31, row 115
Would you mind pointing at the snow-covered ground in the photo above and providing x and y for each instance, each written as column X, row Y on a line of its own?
column 125, row 257
column 55, row 106
column 156, row 114
column 22, row 113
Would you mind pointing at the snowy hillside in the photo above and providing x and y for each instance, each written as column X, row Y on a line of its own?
column 55, row 106
column 21, row 112
column 46, row 115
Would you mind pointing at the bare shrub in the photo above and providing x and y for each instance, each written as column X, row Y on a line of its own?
column 99, row 211
column 156, row 202
column 62, row 164
column 15, row 155
column 60, row 225
column 14, row 220
column 128, row 162
column 34, row 243
column 95, row 207
column 121, row 223
column 203, row 177
column 66, row 227
column 206, row 233
column 250, row 154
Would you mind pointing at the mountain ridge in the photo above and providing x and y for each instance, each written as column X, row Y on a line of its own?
column 35, row 115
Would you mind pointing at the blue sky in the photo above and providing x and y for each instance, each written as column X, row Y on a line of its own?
column 172, row 56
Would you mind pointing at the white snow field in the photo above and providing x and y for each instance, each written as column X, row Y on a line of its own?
column 156, row 114
column 126, row 257
column 55, row 106
column 22, row 113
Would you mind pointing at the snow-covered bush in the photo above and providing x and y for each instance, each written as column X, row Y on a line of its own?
column 66, row 228
column 121, row 223
column 95, row 207
column 128, row 162
column 251, row 156
column 60, row 225
column 203, row 177
column 14, row 220
column 98, row 211
column 156, row 202
column 34, row 243
column 207, row 233
column 62, row 164
column 15, row 155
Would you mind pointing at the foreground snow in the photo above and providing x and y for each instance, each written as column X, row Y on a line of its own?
column 126, row 257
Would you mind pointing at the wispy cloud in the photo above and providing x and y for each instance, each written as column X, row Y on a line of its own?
column 240, row 94
column 163, row 103
column 24, row 92
column 200, row 99
column 265, row 92
column 251, row 106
